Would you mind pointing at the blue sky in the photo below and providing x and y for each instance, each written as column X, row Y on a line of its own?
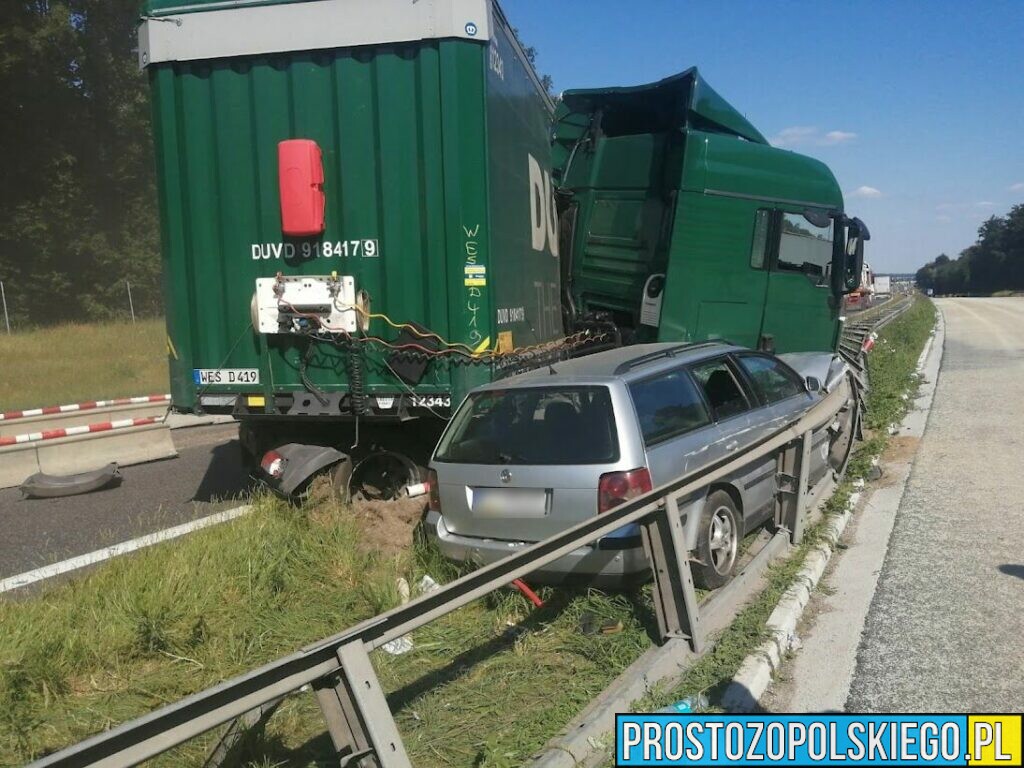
column 918, row 107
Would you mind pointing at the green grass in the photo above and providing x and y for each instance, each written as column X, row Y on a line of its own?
column 487, row 685
column 72, row 363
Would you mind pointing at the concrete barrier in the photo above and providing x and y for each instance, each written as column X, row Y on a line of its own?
column 132, row 441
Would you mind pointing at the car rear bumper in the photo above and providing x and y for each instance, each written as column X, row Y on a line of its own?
column 615, row 563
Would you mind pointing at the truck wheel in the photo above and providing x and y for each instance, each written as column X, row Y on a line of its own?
column 718, row 539
column 383, row 476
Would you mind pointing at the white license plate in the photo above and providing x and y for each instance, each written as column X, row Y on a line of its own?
column 206, row 376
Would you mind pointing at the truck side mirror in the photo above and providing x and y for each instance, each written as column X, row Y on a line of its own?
column 846, row 278
column 812, row 384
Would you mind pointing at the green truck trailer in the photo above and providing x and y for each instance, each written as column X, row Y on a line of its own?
column 369, row 208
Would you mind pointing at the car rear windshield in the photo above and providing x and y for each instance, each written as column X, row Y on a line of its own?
column 542, row 425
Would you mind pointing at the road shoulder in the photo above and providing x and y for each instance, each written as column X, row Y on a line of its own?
column 818, row 677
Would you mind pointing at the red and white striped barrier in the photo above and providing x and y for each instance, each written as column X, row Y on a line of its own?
column 53, row 434
column 86, row 406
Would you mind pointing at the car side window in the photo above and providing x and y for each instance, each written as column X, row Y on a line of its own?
column 772, row 380
column 668, row 405
column 722, row 390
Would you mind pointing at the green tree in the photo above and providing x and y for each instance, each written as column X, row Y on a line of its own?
column 995, row 262
column 77, row 213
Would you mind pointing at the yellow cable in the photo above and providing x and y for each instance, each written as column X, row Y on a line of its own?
column 470, row 351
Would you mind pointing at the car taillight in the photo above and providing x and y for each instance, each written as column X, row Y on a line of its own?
column 434, row 491
column 619, row 487
column 272, row 464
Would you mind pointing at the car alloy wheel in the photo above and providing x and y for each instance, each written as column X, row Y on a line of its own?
column 723, row 540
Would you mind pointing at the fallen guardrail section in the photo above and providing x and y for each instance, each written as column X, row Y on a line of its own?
column 68, row 439
column 339, row 669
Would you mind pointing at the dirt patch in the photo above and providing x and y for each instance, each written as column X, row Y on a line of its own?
column 387, row 526
column 384, row 526
column 900, row 450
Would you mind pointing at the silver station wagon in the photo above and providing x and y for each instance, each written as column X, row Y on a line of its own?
column 534, row 454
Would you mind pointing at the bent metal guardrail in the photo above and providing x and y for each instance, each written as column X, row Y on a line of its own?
column 339, row 669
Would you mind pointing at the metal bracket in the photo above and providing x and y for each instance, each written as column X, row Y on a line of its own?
column 308, row 404
column 675, row 599
column 786, row 483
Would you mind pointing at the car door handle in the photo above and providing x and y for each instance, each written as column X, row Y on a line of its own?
column 732, row 446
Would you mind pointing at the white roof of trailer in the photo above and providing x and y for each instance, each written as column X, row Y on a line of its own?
column 240, row 30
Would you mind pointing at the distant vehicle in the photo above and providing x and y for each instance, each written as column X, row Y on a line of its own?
column 530, row 456
column 883, row 285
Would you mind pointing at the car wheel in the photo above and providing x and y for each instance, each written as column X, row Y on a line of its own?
column 718, row 539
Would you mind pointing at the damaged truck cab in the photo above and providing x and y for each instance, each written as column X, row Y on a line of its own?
column 681, row 223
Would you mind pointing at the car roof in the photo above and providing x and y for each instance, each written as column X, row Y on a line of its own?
column 620, row 364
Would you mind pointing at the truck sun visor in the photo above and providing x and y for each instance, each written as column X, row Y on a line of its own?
column 301, row 179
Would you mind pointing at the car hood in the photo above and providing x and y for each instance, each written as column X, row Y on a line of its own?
column 826, row 367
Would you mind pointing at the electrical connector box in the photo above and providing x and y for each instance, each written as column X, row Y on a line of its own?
column 301, row 304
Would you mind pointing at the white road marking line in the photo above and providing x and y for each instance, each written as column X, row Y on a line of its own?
column 49, row 571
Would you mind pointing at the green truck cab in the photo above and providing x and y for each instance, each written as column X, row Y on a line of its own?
column 681, row 223
column 365, row 215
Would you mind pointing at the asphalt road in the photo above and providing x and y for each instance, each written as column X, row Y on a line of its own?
column 945, row 631
column 206, row 477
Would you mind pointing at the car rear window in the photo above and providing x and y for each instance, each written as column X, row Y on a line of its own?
column 541, row 425
column 668, row 405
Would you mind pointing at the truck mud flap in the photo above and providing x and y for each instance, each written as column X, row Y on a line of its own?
column 43, row 486
column 287, row 469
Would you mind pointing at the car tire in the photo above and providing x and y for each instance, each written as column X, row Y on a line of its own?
column 718, row 539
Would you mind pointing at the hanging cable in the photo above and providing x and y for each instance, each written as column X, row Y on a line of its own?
column 306, row 381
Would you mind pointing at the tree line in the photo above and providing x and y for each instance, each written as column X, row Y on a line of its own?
column 78, row 204
column 78, row 211
column 994, row 263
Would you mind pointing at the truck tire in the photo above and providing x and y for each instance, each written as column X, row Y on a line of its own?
column 718, row 539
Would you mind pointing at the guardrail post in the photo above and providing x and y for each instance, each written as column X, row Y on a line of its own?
column 792, row 482
column 803, row 487
column 359, row 720
column 675, row 600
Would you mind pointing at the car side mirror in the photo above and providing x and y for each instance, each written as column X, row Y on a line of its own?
column 812, row 384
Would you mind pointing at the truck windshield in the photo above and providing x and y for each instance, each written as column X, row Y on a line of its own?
column 542, row 425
